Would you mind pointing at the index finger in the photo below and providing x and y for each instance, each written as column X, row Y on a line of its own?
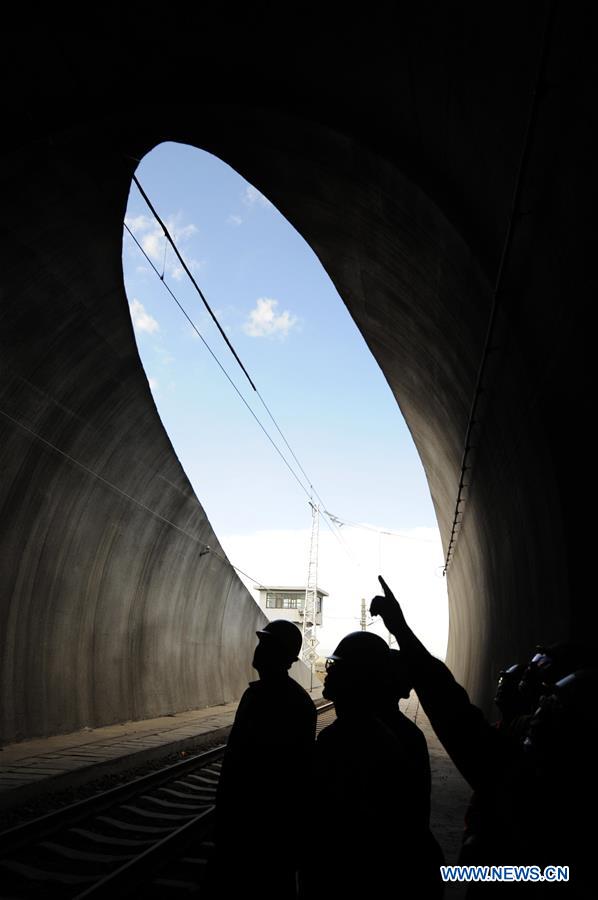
column 385, row 587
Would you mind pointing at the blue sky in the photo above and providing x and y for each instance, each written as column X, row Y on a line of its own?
column 296, row 338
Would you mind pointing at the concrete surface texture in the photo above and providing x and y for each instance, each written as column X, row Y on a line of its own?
column 392, row 141
column 45, row 767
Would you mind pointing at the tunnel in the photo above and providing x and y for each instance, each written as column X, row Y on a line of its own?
column 440, row 160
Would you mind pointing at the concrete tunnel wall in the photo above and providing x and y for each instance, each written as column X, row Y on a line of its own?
column 398, row 169
column 113, row 611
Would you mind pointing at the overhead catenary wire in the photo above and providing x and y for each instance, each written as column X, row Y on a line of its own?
column 164, row 260
column 341, row 541
column 186, row 268
column 310, row 490
column 168, row 237
column 125, row 494
column 406, row 537
column 217, row 361
column 266, row 407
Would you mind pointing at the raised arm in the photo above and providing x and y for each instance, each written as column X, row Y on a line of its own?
column 470, row 741
column 388, row 608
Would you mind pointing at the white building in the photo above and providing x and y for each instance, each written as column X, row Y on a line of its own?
column 288, row 603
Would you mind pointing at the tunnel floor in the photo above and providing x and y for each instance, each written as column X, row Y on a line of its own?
column 33, row 770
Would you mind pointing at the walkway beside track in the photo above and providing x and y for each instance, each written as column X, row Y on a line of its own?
column 32, row 769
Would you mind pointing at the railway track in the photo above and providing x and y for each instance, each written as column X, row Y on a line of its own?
column 155, row 831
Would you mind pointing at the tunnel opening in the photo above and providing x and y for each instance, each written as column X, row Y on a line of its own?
column 298, row 343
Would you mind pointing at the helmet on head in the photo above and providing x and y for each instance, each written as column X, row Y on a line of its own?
column 512, row 673
column 359, row 666
column 509, row 678
column 565, row 718
column 508, row 697
column 551, row 663
column 566, row 657
column 577, row 692
column 283, row 635
column 361, row 648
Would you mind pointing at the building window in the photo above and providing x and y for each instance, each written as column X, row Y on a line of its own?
column 284, row 600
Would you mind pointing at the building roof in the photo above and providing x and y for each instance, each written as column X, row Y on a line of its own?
column 285, row 587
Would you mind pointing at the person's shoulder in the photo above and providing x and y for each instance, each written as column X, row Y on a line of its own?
column 299, row 693
column 252, row 689
column 329, row 734
column 251, row 695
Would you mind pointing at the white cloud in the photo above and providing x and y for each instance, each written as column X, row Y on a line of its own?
column 180, row 233
column 142, row 320
column 139, row 223
column 251, row 195
column 264, row 322
column 412, row 566
column 234, row 219
column 152, row 239
column 153, row 384
column 153, row 243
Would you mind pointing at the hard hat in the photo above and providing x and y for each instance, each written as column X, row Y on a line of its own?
column 363, row 648
column 512, row 672
column 287, row 636
column 510, row 677
column 553, row 662
column 565, row 716
column 509, row 698
column 577, row 692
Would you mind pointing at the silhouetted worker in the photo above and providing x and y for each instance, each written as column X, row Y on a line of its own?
column 259, row 804
column 460, row 726
column 513, row 784
column 510, row 700
column 374, row 827
column 548, row 665
column 479, row 835
column 561, row 746
column 416, row 762
column 410, row 736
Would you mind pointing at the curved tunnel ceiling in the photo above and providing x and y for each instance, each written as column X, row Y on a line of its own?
column 393, row 147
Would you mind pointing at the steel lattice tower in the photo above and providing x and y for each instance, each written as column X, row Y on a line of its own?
column 310, row 610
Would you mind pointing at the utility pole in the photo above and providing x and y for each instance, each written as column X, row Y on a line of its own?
column 310, row 608
column 363, row 620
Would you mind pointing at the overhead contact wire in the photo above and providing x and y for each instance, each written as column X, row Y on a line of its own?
column 196, row 330
column 192, row 279
column 217, row 361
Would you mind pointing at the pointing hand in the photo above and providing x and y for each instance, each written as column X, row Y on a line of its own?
column 386, row 606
